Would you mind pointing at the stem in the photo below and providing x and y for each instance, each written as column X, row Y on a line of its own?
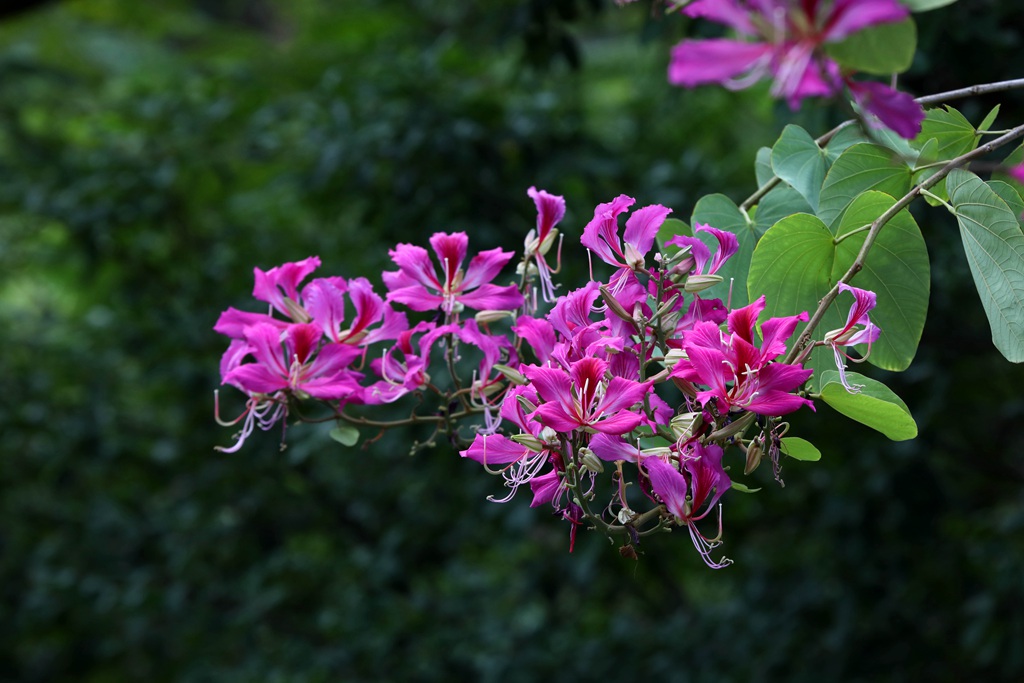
column 857, row 231
column 982, row 89
column 879, row 223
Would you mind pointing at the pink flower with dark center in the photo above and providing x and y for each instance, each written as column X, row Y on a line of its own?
column 290, row 361
column 736, row 372
column 418, row 285
column 585, row 399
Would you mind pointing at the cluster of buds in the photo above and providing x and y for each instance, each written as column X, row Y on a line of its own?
column 618, row 403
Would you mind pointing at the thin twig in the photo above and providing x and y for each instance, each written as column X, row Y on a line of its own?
column 982, row 89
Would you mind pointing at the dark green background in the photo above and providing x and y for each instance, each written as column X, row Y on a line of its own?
column 152, row 153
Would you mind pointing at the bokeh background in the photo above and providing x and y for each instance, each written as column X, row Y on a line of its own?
column 152, row 153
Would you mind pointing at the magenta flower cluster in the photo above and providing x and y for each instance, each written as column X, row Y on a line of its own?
column 616, row 403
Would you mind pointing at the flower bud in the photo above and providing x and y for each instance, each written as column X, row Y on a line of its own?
column 674, row 356
column 590, row 461
column 512, row 375
column 530, row 441
column 698, row 283
column 684, row 426
column 526, row 404
column 549, row 436
column 614, row 306
column 754, row 452
column 733, row 428
column 531, row 244
column 489, row 316
column 531, row 271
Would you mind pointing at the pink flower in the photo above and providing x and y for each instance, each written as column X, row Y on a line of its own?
column 849, row 334
column 736, row 372
column 685, row 500
column 584, row 399
column 324, row 300
column 550, row 210
column 601, row 236
column 280, row 286
column 523, row 455
column 289, row 361
column 703, row 263
column 417, row 284
column 788, row 37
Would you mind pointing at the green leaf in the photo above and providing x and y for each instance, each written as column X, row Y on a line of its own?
column 881, row 49
column 669, row 229
column 953, row 133
column 345, row 434
column 994, row 246
column 925, row 5
column 896, row 269
column 842, row 141
column 782, row 201
column 736, row 486
column 763, row 166
column 1009, row 194
column 861, row 168
column 800, row 449
column 720, row 212
column 798, row 261
column 989, row 119
column 875, row 405
column 797, row 159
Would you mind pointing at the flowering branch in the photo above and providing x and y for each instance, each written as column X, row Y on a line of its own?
column 876, row 226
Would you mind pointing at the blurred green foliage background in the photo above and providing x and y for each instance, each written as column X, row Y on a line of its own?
column 153, row 153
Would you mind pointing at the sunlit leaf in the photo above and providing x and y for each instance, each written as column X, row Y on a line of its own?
column 874, row 405
column 800, row 449
column 346, row 435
